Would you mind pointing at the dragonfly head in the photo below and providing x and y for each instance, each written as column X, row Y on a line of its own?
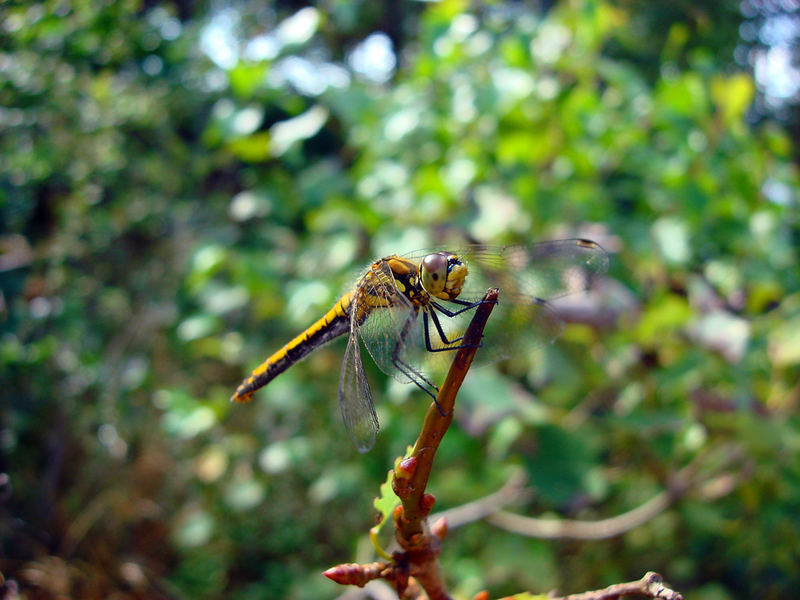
column 442, row 275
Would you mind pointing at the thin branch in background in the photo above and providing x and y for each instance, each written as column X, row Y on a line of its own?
column 512, row 492
column 681, row 483
column 581, row 530
column 688, row 480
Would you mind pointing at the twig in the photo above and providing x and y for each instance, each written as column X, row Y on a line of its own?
column 411, row 490
column 681, row 483
column 650, row 586
column 417, row 565
column 512, row 492
column 581, row 530
column 421, row 547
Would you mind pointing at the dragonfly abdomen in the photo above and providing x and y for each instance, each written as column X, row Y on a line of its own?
column 333, row 324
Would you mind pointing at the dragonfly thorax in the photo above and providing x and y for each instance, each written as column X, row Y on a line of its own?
column 442, row 275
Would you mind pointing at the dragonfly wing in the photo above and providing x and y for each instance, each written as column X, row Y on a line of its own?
column 355, row 398
column 388, row 321
column 541, row 271
column 528, row 276
column 541, row 323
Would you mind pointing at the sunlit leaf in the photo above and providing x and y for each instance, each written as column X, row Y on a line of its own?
column 733, row 96
column 246, row 78
column 286, row 133
column 253, row 148
column 784, row 343
column 385, row 504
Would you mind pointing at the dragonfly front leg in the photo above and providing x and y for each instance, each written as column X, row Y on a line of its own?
column 442, row 336
column 452, row 313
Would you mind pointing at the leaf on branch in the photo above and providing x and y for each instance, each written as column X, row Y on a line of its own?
column 385, row 504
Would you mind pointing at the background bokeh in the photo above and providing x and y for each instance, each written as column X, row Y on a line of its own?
column 184, row 186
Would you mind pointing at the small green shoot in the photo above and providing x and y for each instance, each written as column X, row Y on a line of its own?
column 385, row 505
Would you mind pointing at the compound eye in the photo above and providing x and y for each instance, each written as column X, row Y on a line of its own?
column 433, row 272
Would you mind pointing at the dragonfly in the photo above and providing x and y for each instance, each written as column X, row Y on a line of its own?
column 410, row 309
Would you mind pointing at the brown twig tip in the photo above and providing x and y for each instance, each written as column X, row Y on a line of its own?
column 355, row 574
column 439, row 528
column 649, row 586
column 654, row 584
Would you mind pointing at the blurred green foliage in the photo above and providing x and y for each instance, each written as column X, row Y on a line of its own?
column 184, row 189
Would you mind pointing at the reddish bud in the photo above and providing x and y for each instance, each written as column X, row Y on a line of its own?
column 426, row 502
column 405, row 469
column 354, row 574
column 483, row 595
column 397, row 514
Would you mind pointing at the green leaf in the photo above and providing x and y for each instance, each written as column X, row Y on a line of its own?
column 245, row 78
column 385, row 504
column 732, row 96
column 387, row 501
column 253, row 148
column 560, row 464
column 683, row 95
column 286, row 133
column 784, row 343
column 672, row 236
column 662, row 318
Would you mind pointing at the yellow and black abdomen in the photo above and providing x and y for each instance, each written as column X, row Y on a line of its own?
column 333, row 324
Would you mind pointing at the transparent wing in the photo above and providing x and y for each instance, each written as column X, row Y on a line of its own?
column 355, row 398
column 527, row 276
column 386, row 318
column 542, row 271
column 388, row 324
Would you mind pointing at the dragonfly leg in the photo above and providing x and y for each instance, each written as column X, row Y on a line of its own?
column 416, row 377
column 405, row 368
column 413, row 374
column 442, row 336
column 409, row 371
column 452, row 313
